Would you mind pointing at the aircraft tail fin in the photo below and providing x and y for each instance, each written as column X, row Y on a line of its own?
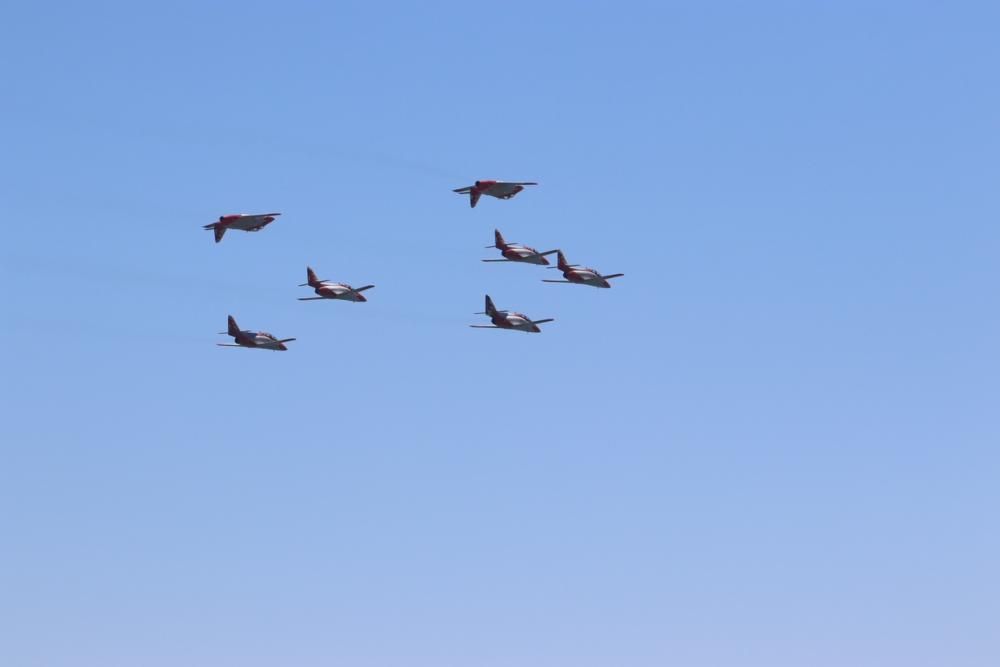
column 234, row 330
column 563, row 264
column 220, row 231
column 491, row 310
column 474, row 196
column 500, row 242
column 311, row 278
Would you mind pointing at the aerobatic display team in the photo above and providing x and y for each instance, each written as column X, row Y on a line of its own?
column 327, row 289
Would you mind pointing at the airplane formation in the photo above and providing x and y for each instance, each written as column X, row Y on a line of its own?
column 330, row 290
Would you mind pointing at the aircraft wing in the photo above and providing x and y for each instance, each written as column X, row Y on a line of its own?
column 555, row 281
column 613, row 275
column 550, row 319
column 483, row 326
column 497, row 260
column 228, row 345
column 463, row 191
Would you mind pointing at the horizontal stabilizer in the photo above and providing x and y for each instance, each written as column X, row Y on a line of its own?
column 362, row 289
column 312, row 298
column 286, row 340
column 613, row 275
column 556, row 281
column 463, row 191
column 496, row 260
column 551, row 319
column 483, row 326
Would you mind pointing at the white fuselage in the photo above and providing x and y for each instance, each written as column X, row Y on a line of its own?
column 332, row 290
column 515, row 321
column 263, row 341
column 519, row 253
column 586, row 277
column 259, row 339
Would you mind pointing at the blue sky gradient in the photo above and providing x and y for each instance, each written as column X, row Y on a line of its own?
column 772, row 443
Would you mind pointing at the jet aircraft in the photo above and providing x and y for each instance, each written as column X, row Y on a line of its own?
column 503, row 319
column 515, row 252
column 258, row 339
column 244, row 221
column 573, row 273
column 327, row 289
column 498, row 189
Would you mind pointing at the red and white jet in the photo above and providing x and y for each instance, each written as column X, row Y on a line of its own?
column 327, row 289
column 573, row 273
column 515, row 252
column 503, row 319
column 258, row 339
column 245, row 221
column 498, row 189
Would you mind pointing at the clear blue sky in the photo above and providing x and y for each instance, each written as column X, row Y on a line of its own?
column 773, row 443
